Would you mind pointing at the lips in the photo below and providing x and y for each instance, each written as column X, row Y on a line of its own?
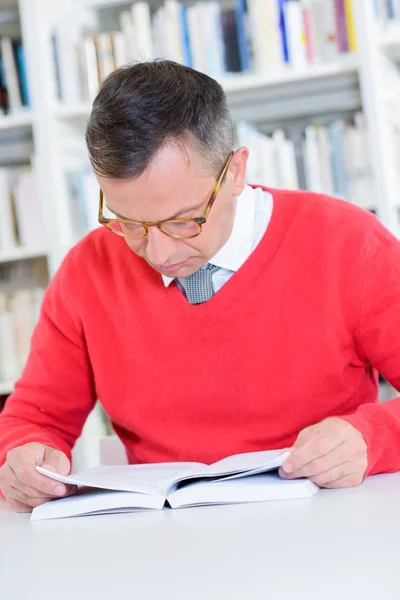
column 171, row 268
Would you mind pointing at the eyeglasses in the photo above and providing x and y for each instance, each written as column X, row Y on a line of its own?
column 178, row 228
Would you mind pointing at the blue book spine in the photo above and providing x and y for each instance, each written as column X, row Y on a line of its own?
column 335, row 135
column 242, row 35
column 282, row 27
column 187, row 55
column 22, row 71
column 390, row 9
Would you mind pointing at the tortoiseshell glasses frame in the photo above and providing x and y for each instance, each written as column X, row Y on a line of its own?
column 183, row 228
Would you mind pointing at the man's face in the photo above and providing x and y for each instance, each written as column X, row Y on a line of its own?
column 174, row 186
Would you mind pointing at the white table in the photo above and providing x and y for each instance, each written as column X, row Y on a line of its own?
column 341, row 544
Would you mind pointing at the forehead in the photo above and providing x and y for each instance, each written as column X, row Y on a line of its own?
column 173, row 180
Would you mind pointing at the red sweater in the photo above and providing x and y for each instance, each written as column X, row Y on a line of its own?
column 294, row 337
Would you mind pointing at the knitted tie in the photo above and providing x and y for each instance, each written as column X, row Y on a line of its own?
column 198, row 286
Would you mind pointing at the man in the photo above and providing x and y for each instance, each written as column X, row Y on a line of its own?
column 222, row 318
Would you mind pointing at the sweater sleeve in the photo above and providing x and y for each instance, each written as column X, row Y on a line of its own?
column 378, row 339
column 55, row 393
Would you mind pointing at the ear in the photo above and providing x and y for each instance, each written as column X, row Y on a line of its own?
column 237, row 170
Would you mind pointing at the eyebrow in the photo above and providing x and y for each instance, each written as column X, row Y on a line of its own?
column 174, row 216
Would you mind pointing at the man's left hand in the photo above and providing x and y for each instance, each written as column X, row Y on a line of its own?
column 333, row 454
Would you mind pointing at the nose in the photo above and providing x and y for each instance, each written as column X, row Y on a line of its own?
column 160, row 247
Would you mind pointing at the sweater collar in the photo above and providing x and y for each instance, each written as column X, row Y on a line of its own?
column 240, row 243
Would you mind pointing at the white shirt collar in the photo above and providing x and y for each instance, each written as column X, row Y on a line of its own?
column 240, row 243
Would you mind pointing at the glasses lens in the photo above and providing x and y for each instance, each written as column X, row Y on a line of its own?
column 128, row 229
column 182, row 229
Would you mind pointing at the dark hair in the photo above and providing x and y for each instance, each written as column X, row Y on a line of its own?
column 141, row 107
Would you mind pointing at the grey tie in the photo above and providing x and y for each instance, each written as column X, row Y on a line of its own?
column 198, row 286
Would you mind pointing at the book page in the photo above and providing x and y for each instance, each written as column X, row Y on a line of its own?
column 254, row 488
column 152, row 479
column 238, row 465
column 249, row 463
column 95, row 501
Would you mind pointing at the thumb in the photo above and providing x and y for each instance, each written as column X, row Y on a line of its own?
column 56, row 461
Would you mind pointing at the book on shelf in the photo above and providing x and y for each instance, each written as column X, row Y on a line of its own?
column 330, row 158
column 19, row 312
column 386, row 10
column 217, row 39
column 250, row 477
column 21, row 223
column 83, row 201
column 14, row 94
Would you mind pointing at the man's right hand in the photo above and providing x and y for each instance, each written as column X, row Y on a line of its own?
column 22, row 485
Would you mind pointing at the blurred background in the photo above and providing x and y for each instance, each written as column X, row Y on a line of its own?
column 313, row 86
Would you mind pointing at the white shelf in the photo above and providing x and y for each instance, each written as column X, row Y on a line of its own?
column 389, row 38
column 6, row 387
column 317, row 89
column 286, row 75
column 21, row 254
column 16, row 121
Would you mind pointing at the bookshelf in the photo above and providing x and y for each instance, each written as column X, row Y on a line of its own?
column 319, row 89
column 6, row 387
column 365, row 80
column 17, row 254
column 16, row 121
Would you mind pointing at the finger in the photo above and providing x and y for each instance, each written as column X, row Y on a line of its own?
column 349, row 480
column 16, row 506
column 57, row 461
column 319, row 445
column 18, row 496
column 339, row 455
column 34, row 493
column 27, row 475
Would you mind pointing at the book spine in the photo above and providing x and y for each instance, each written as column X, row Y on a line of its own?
column 283, row 29
column 9, row 364
column 197, row 54
column 341, row 27
column 390, row 9
column 296, row 38
column 127, row 30
column 118, row 44
column 11, row 74
column 143, row 31
column 23, row 76
column 187, row 54
column 8, row 229
column 30, row 225
column 242, row 34
column 396, row 6
column 350, row 27
column 335, row 132
column 329, row 27
column 172, row 31
column 308, row 36
column 230, row 39
column 56, row 68
column 91, row 66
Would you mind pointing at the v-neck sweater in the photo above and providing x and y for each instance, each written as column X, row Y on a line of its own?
column 295, row 336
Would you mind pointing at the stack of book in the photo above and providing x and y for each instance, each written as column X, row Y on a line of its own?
column 21, row 224
column 331, row 159
column 253, row 35
column 13, row 81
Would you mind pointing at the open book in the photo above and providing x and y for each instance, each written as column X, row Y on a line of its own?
column 250, row 477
